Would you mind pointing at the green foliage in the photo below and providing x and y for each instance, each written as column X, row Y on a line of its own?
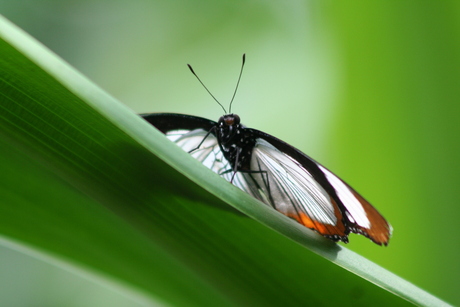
column 88, row 183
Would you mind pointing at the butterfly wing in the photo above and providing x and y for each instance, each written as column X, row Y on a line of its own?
column 303, row 189
column 166, row 122
column 282, row 177
column 192, row 135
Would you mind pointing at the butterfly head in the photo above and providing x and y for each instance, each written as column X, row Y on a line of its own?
column 228, row 126
column 229, row 120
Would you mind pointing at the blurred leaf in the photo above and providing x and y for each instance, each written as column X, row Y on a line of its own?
column 396, row 126
column 89, row 182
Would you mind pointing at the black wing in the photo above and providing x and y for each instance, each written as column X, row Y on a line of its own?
column 166, row 122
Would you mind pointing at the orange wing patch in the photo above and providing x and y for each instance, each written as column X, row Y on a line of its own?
column 334, row 232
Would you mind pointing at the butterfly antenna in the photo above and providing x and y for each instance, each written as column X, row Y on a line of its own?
column 237, row 83
column 193, row 72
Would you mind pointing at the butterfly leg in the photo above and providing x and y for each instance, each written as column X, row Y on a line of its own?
column 202, row 141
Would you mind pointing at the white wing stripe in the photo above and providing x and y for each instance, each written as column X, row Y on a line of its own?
column 354, row 207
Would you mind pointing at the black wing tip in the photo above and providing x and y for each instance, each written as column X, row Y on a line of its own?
column 344, row 239
column 337, row 238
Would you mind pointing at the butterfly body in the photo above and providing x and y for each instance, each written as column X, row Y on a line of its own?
column 276, row 173
column 235, row 141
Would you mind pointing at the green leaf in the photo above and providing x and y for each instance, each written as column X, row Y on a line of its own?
column 89, row 183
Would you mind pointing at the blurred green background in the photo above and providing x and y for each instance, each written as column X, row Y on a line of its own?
column 370, row 90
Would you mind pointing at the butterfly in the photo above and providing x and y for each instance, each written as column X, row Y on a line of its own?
column 274, row 172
